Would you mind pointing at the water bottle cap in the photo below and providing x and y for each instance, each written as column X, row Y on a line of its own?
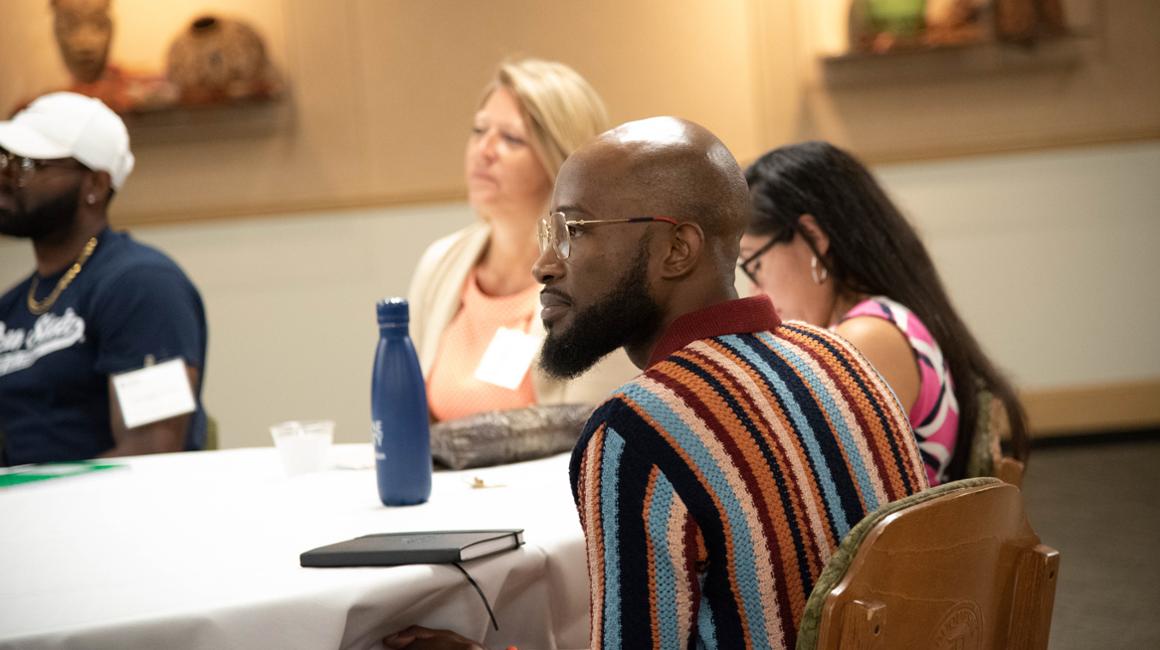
column 393, row 310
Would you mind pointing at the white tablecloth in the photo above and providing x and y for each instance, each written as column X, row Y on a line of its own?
column 200, row 550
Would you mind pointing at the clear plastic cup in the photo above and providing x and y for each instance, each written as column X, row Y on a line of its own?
column 303, row 445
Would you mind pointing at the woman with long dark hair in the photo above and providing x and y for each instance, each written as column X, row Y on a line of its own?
column 831, row 249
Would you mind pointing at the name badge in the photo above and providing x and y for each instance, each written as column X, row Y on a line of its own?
column 154, row 393
column 508, row 357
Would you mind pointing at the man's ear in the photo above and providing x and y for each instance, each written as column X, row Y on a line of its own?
column 686, row 244
column 98, row 185
column 817, row 238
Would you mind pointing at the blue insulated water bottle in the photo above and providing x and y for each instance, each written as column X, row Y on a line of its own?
column 399, row 411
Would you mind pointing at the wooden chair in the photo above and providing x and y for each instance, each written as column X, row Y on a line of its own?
column 986, row 458
column 955, row 566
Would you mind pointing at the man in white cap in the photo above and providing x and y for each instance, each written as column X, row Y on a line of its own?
column 98, row 304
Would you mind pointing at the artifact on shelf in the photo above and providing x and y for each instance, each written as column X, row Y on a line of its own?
column 885, row 25
column 955, row 22
column 880, row 26
column 221, row 60
column 83, row 30
column 1026, row 21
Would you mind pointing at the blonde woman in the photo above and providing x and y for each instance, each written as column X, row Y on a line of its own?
column 475, row 311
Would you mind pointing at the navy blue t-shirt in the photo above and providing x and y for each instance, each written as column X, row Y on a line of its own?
column 128, row 302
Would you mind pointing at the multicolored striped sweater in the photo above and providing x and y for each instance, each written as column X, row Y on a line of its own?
column 714, row 487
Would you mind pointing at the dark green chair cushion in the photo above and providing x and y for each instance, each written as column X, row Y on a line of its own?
column 982, row 459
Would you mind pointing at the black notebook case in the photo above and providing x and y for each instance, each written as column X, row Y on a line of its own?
column 425, row 547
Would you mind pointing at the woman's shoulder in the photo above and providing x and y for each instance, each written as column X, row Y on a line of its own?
column 870, row 331
column 472, row 237
column 863, row 315
column 878, row 307
column 450, row 256
column 877, row 323
column 881, row 330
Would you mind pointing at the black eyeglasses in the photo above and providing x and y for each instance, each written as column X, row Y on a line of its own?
column 752, row 264
column 555, row 231
column 23, row 168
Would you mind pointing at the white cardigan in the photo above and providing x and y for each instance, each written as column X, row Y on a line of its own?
column 435, row 297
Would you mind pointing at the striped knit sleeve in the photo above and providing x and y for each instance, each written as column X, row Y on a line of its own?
column 643, row 548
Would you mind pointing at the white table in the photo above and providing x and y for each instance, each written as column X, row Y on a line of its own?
column 200, row 550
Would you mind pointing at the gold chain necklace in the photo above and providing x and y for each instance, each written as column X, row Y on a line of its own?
column 38, row 307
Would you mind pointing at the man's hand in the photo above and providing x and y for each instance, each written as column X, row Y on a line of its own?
column 420, row 638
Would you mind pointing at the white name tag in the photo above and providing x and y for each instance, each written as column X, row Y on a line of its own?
column 154, row 393
column 508, row 357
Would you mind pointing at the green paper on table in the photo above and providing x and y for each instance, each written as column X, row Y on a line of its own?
column 10, row 476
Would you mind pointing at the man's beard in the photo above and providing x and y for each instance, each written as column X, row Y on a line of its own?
column 625, row 316
column 48, row 218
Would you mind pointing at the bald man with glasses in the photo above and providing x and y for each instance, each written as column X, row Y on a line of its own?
column 713, row 487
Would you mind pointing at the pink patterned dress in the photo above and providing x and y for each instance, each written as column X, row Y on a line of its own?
column 935, row 413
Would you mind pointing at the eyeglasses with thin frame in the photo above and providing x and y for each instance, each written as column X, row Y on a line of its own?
column 752, row 264
column 555, row 232
column 23, row 168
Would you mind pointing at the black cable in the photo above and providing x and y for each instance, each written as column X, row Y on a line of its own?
column 480, row 592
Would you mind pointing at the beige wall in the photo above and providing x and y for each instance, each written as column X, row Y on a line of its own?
column 290, row 303
column 381, row 91
column 1099, row 84
column 1050, row 256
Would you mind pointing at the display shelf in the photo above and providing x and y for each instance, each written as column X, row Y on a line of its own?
column 932, row 63
column 183, row 123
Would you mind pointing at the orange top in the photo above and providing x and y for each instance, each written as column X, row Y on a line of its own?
column 452, row 389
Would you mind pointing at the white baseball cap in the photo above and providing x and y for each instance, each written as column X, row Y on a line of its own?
column 68, row 125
